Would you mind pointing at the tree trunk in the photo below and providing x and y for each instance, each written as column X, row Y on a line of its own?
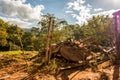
column 48, row 42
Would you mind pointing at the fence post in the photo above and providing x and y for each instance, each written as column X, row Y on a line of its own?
column 117, row 34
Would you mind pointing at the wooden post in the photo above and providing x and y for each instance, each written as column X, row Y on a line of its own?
column 117, row 34
column 51, row 30
column 117, row 44
column 48, row 42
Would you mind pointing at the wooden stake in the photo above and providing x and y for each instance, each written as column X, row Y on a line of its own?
column 48, row 42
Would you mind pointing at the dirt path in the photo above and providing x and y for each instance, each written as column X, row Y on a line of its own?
column 17, row 70
column 14, row 71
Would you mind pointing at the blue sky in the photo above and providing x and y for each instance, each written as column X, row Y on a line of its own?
column 26, row 13
column 56, row 7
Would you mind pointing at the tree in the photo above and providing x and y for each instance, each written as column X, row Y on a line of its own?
column 14, row 36
column 51, row 27
column 27, row 41
column 3, row 33
column 35, row 31
column 98, row 28
column 3, row 37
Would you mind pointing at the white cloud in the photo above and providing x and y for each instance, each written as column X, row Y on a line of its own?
column 109, row 12
column 20, row 9
column 108, row 4
column 75, row 5
column 98, row 9
column 68, row 11
column 81, row 12
column 19, row 22
column 23, row 1
column 20, row 13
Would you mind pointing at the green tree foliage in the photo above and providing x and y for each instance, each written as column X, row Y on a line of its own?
column 3, row 33
column 14, row 37
column 58, row 34
column 99, row 28
column 35, row 31
column 27, row 41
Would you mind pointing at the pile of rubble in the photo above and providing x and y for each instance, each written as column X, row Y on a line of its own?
column 82, row 51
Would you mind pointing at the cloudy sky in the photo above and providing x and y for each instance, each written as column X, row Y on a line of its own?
column 27, row 13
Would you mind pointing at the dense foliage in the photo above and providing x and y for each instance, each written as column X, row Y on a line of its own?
column 13, row 37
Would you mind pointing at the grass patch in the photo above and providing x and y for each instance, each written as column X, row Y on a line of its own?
column 11, row 52
column 6, row 57
column 16, row 52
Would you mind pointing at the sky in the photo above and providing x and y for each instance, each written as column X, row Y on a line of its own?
column 27, row 13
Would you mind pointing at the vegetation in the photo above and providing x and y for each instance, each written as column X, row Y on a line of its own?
column 98, row 28
column 96, row 36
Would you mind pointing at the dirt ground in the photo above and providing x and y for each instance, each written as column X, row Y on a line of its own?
column 15, row 68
